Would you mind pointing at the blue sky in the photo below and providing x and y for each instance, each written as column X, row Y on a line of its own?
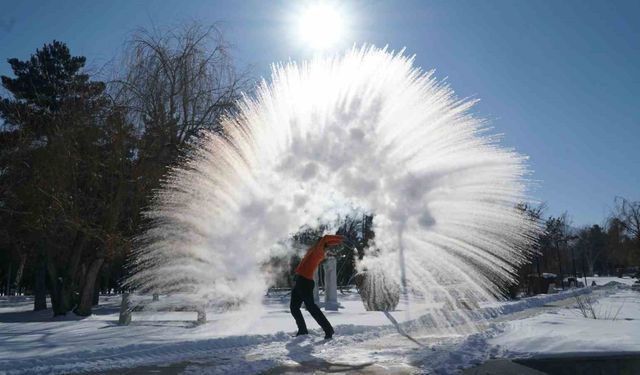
column 560, row 79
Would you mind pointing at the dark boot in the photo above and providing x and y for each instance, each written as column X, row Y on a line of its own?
column 328, row 335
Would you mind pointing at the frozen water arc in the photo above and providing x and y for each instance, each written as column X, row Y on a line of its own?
column 366, row 130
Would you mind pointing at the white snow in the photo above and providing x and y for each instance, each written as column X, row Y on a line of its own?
column 253, row 341
column 617, row 329
column 603, row 280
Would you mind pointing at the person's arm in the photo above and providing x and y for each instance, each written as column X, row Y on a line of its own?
column 331, row 240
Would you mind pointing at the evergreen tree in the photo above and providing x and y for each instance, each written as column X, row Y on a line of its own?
column 66, row 155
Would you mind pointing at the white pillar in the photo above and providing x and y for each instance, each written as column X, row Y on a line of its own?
column 316, row 291
column 125, row 310
column 202, row 315
column 330, row 284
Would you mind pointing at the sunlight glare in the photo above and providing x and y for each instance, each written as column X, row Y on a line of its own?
column 320, row 26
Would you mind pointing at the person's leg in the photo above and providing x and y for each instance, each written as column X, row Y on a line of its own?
column 315, row 311
column 294, row 306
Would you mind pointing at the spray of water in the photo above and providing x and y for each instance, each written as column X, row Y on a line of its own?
column 365, row 131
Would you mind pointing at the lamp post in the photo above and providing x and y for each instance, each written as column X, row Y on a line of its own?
column 584, row 273
column 573, row 258
column 560, row 264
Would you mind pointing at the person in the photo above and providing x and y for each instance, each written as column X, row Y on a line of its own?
column 303, row 289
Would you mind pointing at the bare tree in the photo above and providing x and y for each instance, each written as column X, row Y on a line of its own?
column 555, row 240
column 175, row 83
column 628, row 213
column 178, row 81
column 592, row 244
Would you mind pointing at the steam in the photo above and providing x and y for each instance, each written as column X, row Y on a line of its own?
column 365, row 131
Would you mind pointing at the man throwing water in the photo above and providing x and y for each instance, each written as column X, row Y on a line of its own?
column 303, row 288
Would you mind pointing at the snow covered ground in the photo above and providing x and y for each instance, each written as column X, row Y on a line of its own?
column 616, row 329
column 259, row 340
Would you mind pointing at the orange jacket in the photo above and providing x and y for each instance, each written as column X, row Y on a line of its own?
column 315, row 255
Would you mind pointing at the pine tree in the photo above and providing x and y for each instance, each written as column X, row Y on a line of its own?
column 66, row 156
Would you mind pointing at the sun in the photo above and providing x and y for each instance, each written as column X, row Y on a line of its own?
column 320, row 25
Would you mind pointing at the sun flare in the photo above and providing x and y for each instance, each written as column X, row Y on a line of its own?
column 320, row 25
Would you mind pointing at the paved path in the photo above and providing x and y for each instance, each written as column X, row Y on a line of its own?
column 316, row 367
column 620, row 364
column 502, row 367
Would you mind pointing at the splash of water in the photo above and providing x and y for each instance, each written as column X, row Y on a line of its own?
column 365, row 131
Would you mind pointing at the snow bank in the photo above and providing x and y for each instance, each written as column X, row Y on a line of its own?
column 567, row 331
column 509, row 307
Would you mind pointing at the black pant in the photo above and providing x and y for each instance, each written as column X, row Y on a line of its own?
column 303, row 292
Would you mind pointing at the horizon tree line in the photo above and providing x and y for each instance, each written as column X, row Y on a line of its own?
column 567, row 251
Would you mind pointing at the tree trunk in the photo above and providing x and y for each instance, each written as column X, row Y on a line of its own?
column 20, row 272
column 7, row 290
column 58, row 289
column 96, row 293
column 62, row 285
column 86, row 298
column 40, row 288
